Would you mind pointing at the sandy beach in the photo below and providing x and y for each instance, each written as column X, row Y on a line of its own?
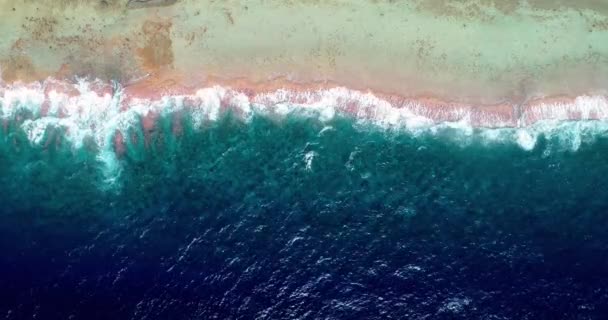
column 493, row 58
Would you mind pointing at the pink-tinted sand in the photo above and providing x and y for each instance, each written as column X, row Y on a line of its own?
column 506, row 114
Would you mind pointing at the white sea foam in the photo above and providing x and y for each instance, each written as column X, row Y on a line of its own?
column 90, row 115
column 525, row 139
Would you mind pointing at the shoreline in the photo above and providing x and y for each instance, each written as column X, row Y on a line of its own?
column 481, row 54
column 359, row 103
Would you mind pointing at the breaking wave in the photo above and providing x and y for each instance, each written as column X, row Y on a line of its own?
column 326, row 204
column 104, row 118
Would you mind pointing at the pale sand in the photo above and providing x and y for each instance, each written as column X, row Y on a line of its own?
column 495, row 57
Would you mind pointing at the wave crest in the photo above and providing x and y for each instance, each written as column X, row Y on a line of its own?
column 114, row 119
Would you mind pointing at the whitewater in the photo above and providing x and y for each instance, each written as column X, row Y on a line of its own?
column 320, row 204
column 102, row 113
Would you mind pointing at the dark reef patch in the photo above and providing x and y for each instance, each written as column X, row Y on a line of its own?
column 136, row 4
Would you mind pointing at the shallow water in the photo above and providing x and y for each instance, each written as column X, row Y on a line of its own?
column 299, row 218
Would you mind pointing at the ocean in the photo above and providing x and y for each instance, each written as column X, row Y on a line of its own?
column 300, row 215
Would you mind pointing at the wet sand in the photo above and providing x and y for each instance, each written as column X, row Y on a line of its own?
column 493, row 56
column 75, row 99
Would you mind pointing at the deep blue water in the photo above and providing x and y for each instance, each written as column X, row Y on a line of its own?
column 278, row 220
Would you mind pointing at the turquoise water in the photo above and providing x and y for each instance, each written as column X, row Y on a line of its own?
column 298, row 218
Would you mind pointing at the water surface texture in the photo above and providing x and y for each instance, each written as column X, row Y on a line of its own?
column 303, row 159
column 297, row 218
